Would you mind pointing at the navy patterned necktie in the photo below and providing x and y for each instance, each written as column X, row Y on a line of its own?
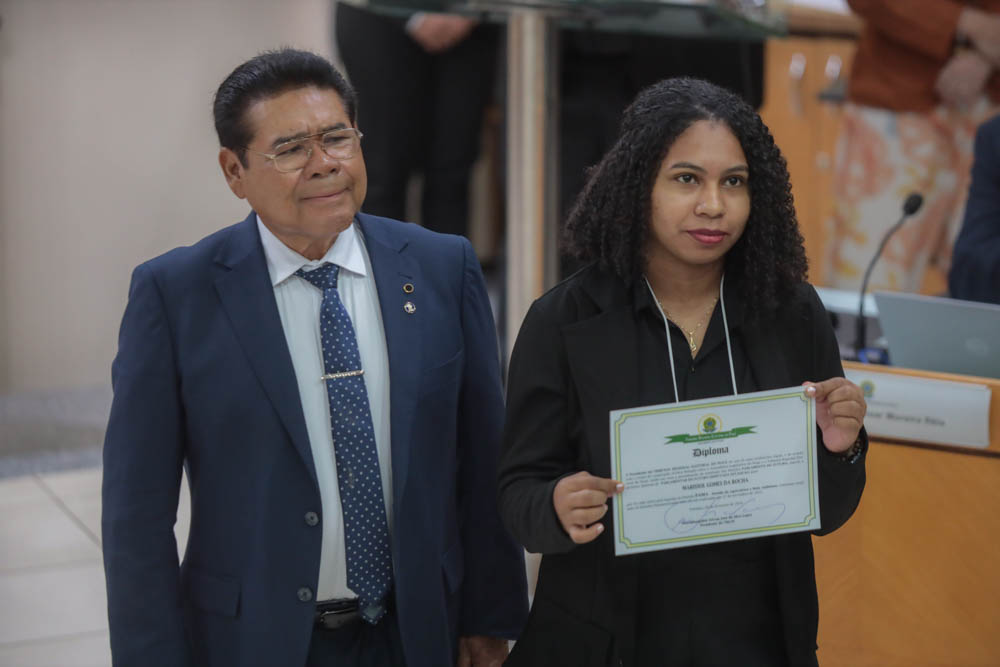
column 366, row 534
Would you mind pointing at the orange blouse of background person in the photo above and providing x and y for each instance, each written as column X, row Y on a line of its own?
column 899, row 73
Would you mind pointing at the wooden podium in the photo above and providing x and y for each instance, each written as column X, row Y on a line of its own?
column 913, row 578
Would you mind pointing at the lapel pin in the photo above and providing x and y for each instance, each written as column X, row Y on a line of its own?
column 408, row 288
column 409, row 307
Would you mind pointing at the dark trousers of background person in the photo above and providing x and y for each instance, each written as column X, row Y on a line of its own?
column 419, row 112
column 601, row 73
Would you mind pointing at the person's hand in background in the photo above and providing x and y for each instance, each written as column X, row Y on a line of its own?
column 439, row 32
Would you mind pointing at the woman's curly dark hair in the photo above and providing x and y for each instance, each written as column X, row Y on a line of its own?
column 609, row 222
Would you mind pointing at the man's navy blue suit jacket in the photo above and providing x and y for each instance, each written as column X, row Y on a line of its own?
column 203, row 379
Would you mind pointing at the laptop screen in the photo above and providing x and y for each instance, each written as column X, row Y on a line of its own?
column 938, row 334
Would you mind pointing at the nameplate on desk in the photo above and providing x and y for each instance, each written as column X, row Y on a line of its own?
column 924, row 410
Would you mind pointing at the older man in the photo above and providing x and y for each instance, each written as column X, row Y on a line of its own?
column 330, row 382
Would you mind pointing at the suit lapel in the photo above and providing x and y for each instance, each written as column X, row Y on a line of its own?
column 603, row 357
column 393, row 268
column 247, row 296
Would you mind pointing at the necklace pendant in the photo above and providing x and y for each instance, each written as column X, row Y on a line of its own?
column 694, row 348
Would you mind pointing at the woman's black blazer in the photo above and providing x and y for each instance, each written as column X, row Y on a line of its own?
column 576, row 358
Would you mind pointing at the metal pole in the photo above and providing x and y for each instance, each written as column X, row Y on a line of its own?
column 531, row 162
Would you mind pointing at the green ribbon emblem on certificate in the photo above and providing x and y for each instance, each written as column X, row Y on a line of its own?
column 685, row 438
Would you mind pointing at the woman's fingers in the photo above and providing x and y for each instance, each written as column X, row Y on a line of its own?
column 585, row 516
column 584, row 535
column 585, row 481
column 580, row 500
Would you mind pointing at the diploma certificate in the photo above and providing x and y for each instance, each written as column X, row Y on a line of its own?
column 714, row 470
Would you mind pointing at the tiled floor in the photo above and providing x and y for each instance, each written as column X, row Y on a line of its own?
column 53, row 612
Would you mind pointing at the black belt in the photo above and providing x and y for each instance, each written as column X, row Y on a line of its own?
column 335, row 614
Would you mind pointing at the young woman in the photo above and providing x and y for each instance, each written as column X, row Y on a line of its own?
column 690, row 231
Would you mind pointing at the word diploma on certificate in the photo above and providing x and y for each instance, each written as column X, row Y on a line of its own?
column 714, row 470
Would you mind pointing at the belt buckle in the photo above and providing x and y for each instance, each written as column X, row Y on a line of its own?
column 334, row 619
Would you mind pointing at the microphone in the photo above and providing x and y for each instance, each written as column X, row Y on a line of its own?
column 912, row 204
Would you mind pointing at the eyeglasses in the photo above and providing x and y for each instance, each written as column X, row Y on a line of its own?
column 294, row 155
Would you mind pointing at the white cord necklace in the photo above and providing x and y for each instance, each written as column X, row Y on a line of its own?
column 670, row 347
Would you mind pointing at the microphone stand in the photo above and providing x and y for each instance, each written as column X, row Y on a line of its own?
column 910, row 206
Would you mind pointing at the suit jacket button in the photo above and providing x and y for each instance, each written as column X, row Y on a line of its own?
column 311, row 518
column 305, row 595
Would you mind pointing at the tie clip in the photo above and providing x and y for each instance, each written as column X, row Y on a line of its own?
column 343, row 374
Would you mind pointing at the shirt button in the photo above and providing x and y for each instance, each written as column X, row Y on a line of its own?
column 311, row 518
column 305, row 595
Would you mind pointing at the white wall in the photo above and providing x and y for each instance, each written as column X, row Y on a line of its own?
column 108, row 157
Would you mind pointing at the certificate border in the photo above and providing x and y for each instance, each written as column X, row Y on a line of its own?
column 786, row 527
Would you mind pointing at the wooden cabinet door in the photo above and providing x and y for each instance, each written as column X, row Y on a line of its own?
column 797, row 71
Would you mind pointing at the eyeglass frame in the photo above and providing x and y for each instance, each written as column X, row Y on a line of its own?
column 274, row 156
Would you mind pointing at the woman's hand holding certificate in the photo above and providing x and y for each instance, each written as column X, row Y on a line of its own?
column 580, row 501
column 840, row 411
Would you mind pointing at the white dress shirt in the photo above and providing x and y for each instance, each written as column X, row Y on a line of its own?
column 298, row 305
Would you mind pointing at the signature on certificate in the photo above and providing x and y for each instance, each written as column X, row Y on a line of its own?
column 681, row 518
